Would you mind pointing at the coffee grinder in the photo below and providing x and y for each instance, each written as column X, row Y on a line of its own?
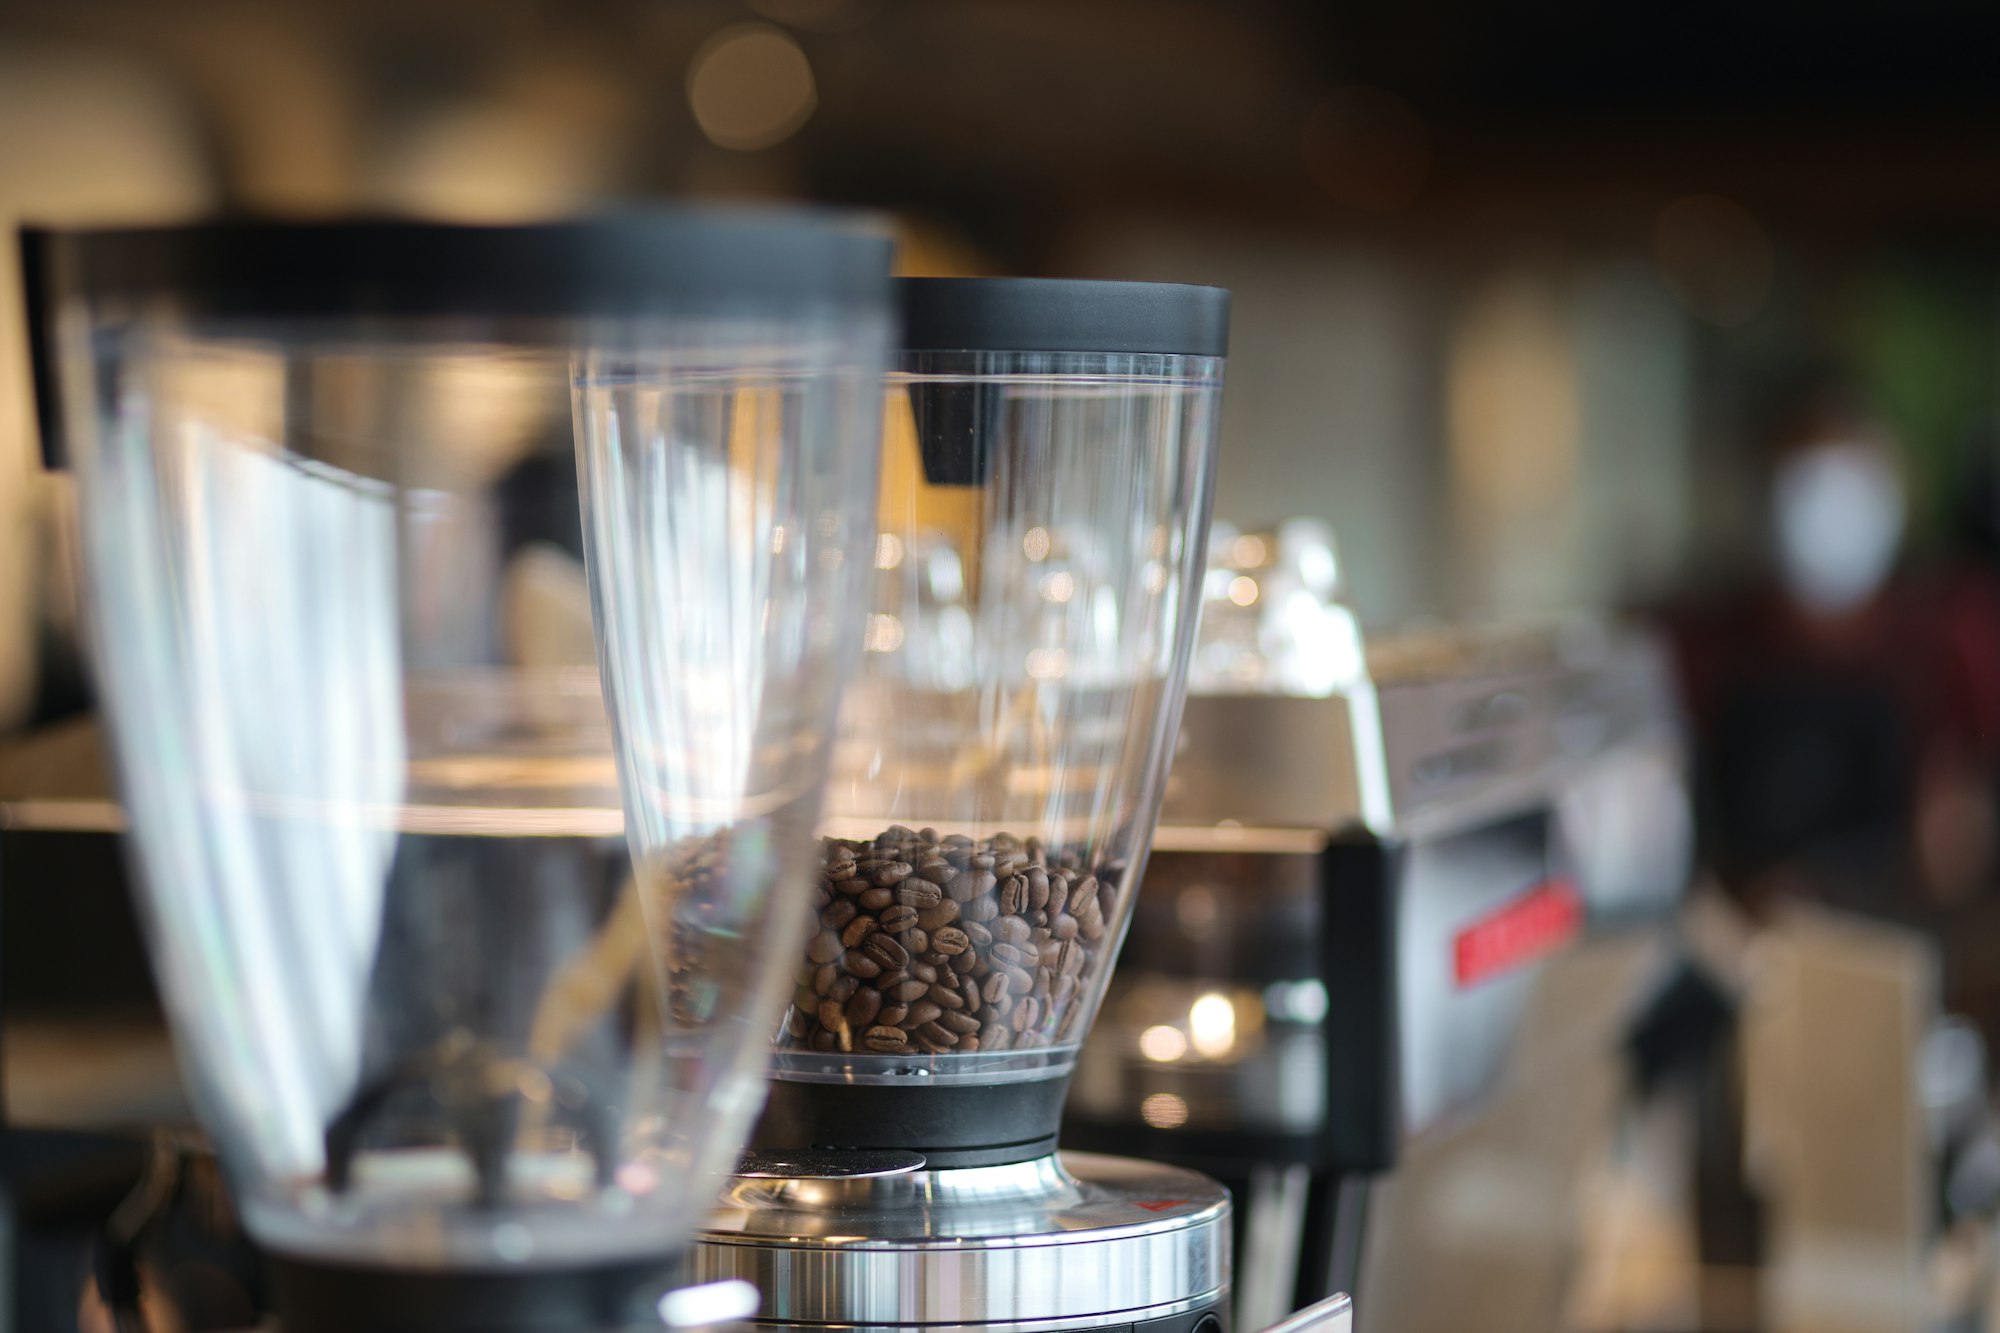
column 1000, row 762
column 475, row 1046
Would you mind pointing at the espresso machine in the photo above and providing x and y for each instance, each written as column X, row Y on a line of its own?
column 1044, row 506
column 470, row 960
column 1369, row 854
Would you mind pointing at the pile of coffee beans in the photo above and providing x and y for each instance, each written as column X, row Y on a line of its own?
column 943, row 944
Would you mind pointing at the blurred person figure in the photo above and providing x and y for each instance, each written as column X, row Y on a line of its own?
column 1846, row 706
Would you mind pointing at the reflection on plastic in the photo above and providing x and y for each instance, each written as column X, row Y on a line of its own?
column 270, row 584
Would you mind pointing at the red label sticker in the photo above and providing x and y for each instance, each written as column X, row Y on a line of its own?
column 1532, row 926
column 1158, row 1205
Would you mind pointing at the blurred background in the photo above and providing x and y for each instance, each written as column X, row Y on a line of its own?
column 1690, row 311
column 1512, row 282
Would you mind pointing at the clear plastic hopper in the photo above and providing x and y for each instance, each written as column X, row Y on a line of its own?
column 450, row 1003
column 1035, row 583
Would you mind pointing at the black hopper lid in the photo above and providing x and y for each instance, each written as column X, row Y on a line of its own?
column 956, row 419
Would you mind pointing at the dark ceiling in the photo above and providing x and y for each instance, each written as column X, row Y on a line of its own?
column 1411, row 119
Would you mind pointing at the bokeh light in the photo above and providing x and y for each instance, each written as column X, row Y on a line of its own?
column 750, row 87
column 1163, row 1043
column 1212, row 1024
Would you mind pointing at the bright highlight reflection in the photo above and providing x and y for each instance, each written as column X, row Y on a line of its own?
column 1163, row 1110
column 1212, row 1023
column 1163, row 1044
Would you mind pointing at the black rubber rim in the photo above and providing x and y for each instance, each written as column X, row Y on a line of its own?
column 950, row 1124
column 330, row 1296
column 1062, row 315
column 635, row 263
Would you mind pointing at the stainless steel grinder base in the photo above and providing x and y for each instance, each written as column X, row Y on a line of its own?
column 875, row 1240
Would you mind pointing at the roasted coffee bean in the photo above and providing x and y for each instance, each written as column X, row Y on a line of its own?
column 882, row 947
column 938, row 1033
column 1014, row 894
column 1091, row 928
column 962, row 1023
column 967, row 1045
column 950, row 940
column 980, row 968
column 948, row 996
column 996, row 1037
column 1063, row 928
column 885, row 1039
column 852, row 887
column 798, row 1024
column 988, row 1015
column 838, row 913
column 1061, row 993
column 1014, row 955
column 998, row 986
column 826, row 1043
column 915, row 940
column 859, row 964
column 937, row 871
column 839, row 870
column 842, row 987
column 980, row 935
column 893, row 1014
column 896, row 920
column 923, row 971
column 863, row 1008
column 1038, row 887
column 825, row 947
column 1083, row 894
column 935, row 918
column 893, row 874
column 1026, row 1014
column 923, row 1011
column 984, row 861
column 907, row 991
column 971, row 885
column 876, row 899
column 918, row 893
column 832, row 1016
column 859, row 929
column 982, row 909
column 824, row 976
column 962, row 963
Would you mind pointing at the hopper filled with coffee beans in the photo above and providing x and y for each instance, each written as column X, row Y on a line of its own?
column 1041, row 529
